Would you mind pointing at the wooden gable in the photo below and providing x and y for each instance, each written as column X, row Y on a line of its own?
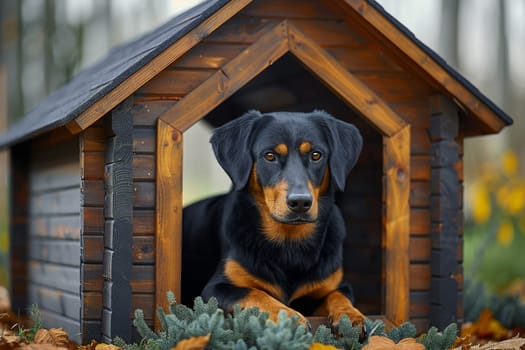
column 251, row 42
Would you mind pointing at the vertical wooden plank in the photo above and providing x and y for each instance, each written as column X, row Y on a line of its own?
column 445, row 211
column 118, row 257
column 169, row 214
column 18, row 225
column 397, row 225
column 92, row 144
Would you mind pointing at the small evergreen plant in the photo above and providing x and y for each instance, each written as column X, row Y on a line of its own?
column 250, row 329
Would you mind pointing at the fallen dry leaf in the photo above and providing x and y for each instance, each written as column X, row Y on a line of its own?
column 509, row 344
column 104, row 346
column 383, row 343
column 486, row 327
column 90, row 346
column 54, row 336
column 193, row 343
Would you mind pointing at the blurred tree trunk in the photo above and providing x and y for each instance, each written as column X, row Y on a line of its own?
column 448, row 39
column 503, row 57
column 509, row 98
column 50, row 32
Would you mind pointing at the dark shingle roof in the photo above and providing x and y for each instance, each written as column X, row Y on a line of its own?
column 93, row 83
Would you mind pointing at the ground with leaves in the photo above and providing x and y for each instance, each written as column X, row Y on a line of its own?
column 206, row 326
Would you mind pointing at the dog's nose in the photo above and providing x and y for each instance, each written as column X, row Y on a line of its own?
column 299, row 203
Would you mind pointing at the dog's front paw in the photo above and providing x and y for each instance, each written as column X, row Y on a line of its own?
column 355, row 317
column 291, row 313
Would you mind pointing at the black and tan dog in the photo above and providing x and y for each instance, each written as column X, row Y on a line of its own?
column 275, row 241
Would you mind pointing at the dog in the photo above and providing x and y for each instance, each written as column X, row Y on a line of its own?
column 275, row 241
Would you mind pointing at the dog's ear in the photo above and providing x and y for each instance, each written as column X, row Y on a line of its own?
column 345, row 143
column 231, row 145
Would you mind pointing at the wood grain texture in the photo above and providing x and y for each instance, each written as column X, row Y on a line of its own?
column 58, row 277
column 143, row 249
column 208, row 55
column 157, row 64
column 117, row 258
column 175, row 83
column 397, row 225
column 289, row 9
column 92, row 219
column 344, row 84
column 55, row 251
column 446, row 214
column 144, row 302
column 230, row 78
column 169, row 214
column 145, row 113
column 143, row 195
column 93, row 143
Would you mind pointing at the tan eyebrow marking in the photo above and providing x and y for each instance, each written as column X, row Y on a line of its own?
column 281, row 149
column 305, row 147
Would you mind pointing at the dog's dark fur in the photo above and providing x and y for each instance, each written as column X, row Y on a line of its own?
column 275, row 241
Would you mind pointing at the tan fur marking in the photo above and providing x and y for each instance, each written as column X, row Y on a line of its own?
column 275, row 198
column 265, row 302
column 305, row 147
column 319, row 289
column 240, row 277
column 336, row 304
column 325, row 183
column 281, row 149
column 266, row 200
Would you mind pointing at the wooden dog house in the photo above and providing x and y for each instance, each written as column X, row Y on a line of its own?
column 96, row 168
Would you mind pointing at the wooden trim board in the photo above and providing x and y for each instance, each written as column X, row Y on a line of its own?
column 168, row 214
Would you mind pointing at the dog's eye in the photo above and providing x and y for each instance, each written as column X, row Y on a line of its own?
column 316, row 156
column 270, row 156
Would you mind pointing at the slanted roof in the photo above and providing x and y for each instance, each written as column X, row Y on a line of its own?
column 78, row 104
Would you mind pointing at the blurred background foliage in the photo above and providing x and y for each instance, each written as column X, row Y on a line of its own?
column 44, row 43
column 495, row 232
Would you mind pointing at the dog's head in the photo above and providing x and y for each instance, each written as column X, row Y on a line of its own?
column 288, row 160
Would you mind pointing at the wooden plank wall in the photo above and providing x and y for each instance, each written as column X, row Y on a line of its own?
column 92, row 148
column 118, row 232
column 446, row 213
column 97, row 140
column 54, row 234
column 144, row 114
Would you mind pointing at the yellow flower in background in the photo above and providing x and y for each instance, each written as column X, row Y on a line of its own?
column 516, row 200
column 511, row 197
column 509, row 163
column 505, row 233
column 481, row 208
